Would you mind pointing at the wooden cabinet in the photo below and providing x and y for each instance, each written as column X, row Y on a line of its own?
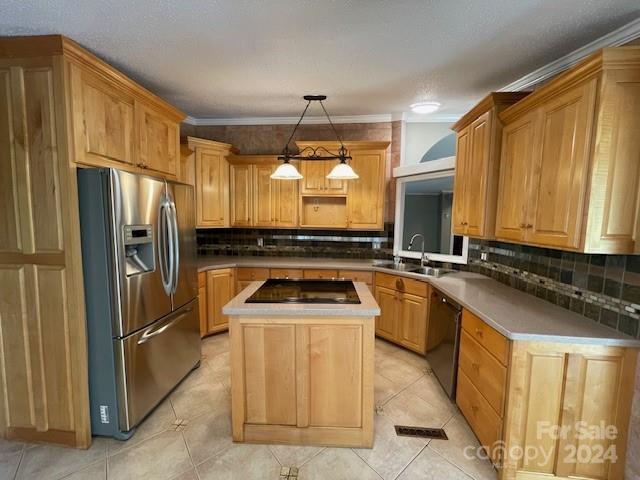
column 517, row 392
column 477, row 162
column 187, row 168
column 302, row 380
column 158, row 141
column 202, row 303
column 570, row 176
column 257, row 200
column 212, row 182
column 315, row 181
column 247, row 275
column 404, row 307
column 241, row 195
column 60, row 108
column 365, row 199
column 221, row 288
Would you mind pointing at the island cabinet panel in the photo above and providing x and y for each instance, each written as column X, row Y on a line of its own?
column 202, row 303
column 103, row 120
column 334, row 363
column 270, row 374
column 221, row 288
column 569, row 168
column 477, row 162
column 302, row 380
column 211, row 181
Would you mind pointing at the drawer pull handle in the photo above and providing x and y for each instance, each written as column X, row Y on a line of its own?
column 478, row 332
column 399, row 284
column 474, row 409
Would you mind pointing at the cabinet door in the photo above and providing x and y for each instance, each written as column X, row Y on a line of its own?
column 220, row 290
column 333, row 187
column 103, row 121
column 413, row 322
column 477, row 175
column 387, row 322
column 365, row 201
column 286, row 203
column 459, row 195
column 559, row 183
column 312, row 182
column 241, row 195
column 202, row 310
column 212, row 188
column 515, row 170
column 158, row 141
column 270, row 374
column 264, row 196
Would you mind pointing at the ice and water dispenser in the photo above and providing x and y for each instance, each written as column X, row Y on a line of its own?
column 139, row 252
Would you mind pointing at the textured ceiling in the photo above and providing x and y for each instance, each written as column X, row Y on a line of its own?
column 235, row 58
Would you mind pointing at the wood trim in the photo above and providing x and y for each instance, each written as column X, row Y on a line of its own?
column 236, row 362
column 288, row 435
column 32, row 258
column 252, row 159
column 195, row 142
column 487, row 103
column 61, row 437
column 55, row 45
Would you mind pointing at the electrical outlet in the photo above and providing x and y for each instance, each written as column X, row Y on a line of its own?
column 261, row 242
column 104, row 414
column 484, row 256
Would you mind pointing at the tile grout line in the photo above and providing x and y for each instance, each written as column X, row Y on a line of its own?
column 15, row 475
column 411, row 461
column 471, row 477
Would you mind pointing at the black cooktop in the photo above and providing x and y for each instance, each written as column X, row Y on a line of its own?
column 305, row 291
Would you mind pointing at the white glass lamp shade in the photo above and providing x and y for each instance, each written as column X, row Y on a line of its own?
column 342, row 171
column 286, row 171
column 425, row 107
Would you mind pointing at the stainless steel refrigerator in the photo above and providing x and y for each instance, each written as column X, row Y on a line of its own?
column 138, row 253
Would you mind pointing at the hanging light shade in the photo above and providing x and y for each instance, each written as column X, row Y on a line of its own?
column 286, row 171
column 342, row 171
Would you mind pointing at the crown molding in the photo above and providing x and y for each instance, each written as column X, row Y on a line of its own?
column 318, row 120
column 622, row 35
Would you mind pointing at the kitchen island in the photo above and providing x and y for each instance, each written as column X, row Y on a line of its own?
column 302, row 373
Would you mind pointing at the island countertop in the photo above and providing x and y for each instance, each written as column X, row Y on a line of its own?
column 366, row 308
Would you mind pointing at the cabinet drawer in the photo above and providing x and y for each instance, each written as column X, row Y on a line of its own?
column 286, row 273
column 486, row 373
column 202, row 279
column 484, row 422
column 357, row 276
column 486, row 336
column 320, row 273
column 253, row 274
column 402, row 284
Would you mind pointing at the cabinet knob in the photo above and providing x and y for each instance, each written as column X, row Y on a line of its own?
column 478, row 332
column 523, row 225
column 399, row 284
column 474, row 408
column 529, row 225
column 475, row 366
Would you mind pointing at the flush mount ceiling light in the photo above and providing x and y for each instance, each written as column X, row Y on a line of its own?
column 287, row 171
column 424, row 107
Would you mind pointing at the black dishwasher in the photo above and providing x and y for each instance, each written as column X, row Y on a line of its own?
column 443, row 340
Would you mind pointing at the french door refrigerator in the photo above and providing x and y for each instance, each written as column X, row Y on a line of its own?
column 138, row 254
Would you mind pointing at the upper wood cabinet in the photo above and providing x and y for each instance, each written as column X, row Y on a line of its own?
column 212, row 182
column 257, row 200
column 477, row 161
column 315, row 181
column 158, row 141
column 570, row 167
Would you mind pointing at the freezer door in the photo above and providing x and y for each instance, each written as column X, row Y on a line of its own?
column 150, row 363
column 136, row 210
column 186, row 275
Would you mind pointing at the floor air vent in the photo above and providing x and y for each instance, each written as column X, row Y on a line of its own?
column 437, row 433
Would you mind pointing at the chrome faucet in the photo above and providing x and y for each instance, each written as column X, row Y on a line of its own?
column 423, row 259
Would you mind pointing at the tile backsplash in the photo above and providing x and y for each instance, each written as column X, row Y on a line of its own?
column 297, row 242
column 604, row 288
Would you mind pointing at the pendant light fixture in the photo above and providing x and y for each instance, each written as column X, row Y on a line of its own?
column 288, row 171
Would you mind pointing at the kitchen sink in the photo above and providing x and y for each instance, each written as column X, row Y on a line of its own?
column 401, row 267
column 431, row 271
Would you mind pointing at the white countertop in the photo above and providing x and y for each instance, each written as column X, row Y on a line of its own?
column 515, row 314
column 366, row 308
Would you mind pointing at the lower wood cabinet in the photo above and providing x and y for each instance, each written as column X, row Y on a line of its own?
column 220, row 289
column 541, row 398
column 404, row 306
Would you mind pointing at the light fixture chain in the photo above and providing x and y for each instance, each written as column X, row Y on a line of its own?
column 332, row 125
column 286, row 147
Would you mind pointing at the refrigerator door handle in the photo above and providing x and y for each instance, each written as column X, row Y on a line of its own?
column 165, row 246
column 155, row 331
column 176, row 245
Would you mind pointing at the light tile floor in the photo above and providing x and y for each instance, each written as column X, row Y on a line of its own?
column 188, row 437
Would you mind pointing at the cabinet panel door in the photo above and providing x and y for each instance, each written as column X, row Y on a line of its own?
column 212, row 189
column 476, row 175
column 286, row 203
column 103, row 121
column 365, row 201
column 559, row 182
column 459, row 195
column 241, row 195
column 335, row 375
column 515, row 170
column 158, row 141
column 220, row 290
column 413, row 322
column 333, row 187
column 313, row 179
column 387, row 322
column 270, row 374
column 264, row 196
column 202, row 310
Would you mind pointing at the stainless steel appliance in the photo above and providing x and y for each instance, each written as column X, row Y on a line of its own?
column 305, row 291
column 443, row 340
column 138, row 253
